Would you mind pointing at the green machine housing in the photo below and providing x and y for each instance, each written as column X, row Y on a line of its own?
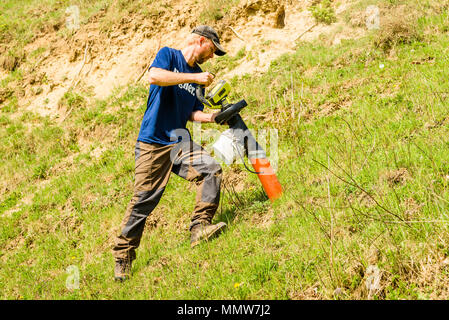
column 217, row 97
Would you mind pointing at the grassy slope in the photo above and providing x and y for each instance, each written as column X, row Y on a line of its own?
column 383, row 136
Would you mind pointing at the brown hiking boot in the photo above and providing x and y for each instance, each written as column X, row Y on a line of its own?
column 122, row 270
column 205, row 232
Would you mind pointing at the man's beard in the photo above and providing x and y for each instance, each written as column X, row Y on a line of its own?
column 201, row 60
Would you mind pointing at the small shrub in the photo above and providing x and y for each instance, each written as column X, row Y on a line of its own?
column 323, row 12
column 5, row 93
column 41, row 170
column 216, row 10
column 398, row 26
column 72, row 100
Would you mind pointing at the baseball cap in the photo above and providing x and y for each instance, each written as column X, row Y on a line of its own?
column 211, row 34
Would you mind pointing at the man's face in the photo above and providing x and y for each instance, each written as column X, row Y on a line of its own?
column 205, row 51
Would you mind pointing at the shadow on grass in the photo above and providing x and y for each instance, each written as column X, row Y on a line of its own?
column 231, row 204
column 237, row 202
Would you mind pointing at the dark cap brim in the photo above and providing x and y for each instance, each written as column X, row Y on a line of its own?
column 220, row 51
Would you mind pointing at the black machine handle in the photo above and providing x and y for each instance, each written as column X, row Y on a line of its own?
column 230, row 111
column 200, row 95
column 227, row 112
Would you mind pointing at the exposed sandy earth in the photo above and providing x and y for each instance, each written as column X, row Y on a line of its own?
column 91, row 60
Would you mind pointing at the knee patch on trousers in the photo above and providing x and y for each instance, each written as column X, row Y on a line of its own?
column 146, row 203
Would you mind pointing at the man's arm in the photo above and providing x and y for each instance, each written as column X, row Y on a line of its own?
column 201, row 116
column 163, row 78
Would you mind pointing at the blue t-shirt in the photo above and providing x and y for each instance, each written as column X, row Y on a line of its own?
column 169, row 108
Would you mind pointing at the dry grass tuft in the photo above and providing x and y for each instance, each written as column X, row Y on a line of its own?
column 397, row 177
column 397, row 26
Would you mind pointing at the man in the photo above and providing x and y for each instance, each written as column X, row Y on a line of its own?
column 164, row 145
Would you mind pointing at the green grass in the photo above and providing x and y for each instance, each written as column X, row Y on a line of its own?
column 216, row 10
column 20, row 23
column 362, row 159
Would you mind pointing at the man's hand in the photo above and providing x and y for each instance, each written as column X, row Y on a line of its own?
column 204, row 78
column 212, row 119
column 201, row 116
